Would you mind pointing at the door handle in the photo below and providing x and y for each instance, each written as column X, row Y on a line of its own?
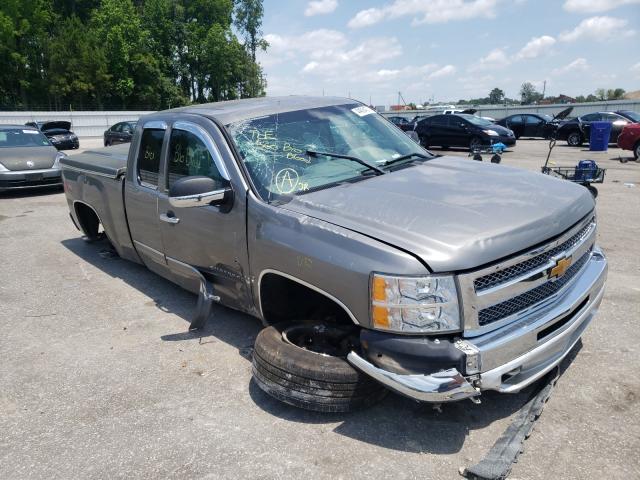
column 166, row 218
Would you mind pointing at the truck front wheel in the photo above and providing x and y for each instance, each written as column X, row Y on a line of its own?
column 304, row 365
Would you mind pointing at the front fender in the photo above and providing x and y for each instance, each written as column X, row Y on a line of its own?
column 330, row 259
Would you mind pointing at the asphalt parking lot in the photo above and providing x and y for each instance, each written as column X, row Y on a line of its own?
column 100, row 378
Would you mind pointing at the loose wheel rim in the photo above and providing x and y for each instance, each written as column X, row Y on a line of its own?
column 322, row 339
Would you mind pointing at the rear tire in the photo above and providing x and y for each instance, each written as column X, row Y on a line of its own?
column 306, row 379
column 636, row 151
column 574, row 139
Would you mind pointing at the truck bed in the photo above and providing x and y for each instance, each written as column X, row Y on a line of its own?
column 95, row 179
column 107, row 162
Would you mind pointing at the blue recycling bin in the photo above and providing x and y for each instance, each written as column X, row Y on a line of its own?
column 599, row 138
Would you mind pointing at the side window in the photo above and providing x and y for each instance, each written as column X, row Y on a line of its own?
column 441, row 120
column 531, row 120
column 516, row 119
column 117, row 127
column 149, row 157
column 188, row 156
column 591, row 117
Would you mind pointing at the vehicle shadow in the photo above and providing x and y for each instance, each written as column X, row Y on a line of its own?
column 232, row 327
column 398, row 423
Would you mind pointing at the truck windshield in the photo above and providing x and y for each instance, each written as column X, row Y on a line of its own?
column 22, row 137
column 274, row 148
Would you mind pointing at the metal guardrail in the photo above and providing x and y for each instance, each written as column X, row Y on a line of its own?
column 501, row 111
column 84, row 124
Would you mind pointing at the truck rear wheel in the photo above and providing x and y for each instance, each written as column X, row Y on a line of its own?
column 304, row 365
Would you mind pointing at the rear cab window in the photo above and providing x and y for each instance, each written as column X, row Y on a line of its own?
column 148, row 162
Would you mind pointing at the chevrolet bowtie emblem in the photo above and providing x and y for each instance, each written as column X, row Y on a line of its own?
column 560, row 268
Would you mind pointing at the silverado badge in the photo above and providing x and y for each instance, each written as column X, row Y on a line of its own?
column 560, row 268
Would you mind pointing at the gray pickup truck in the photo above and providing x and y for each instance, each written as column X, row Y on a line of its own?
column 372, row 263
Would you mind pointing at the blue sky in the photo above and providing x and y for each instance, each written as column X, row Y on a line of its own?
column 444, row 50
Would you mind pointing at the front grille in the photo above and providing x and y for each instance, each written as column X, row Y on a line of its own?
column 534, row 296
column 497, row 278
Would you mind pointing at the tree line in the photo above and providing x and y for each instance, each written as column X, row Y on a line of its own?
column 530, row 95
column 124, row 54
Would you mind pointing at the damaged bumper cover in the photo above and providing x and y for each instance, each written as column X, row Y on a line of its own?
column 510, row 359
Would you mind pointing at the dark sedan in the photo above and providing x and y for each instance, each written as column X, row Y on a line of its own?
column 461, row 130
column 533, row 125
column 633, row 117
column 578, row 130
column 119, row 133
column 59, row 134
column 27, row 159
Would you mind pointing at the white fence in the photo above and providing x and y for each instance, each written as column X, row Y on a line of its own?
column 500, row 111
column 84, row 124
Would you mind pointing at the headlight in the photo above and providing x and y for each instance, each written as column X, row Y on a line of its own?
column 426, row 304
column 491, row 133
column 59, row 155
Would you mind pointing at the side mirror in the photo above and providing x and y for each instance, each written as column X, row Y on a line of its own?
column 198, row 192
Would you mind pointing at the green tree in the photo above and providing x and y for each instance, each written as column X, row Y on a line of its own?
column 248, row 19
column 496, row 96
column 529, row 94
column 77, row 67
column 615, row 94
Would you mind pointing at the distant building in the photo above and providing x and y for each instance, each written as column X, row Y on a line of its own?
column 398, row 108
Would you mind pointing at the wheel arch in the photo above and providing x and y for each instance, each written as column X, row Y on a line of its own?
column 88, row 219
column 284, row 284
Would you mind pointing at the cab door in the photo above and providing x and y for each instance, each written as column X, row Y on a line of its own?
column 532, row 126
column 141, row 197
column 210, row 239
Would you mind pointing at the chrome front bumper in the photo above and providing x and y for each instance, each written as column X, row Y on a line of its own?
column 514, row 356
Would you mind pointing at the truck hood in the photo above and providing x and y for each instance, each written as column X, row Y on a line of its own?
column 27, row 158
column 452, row 213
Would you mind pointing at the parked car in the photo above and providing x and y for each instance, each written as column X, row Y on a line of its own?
column 59, row 133
column 372, row 262
column 630, row 115
column 629, row 139
column 462, row 130
column 578, row 130
column 398, row 121
column 534, row 124
column 121, row 132
column 27, row 159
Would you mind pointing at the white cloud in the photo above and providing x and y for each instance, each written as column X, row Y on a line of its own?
column 426, row 11
column 372, row 51
column 636, row 70
column 594, row 6
column 598, row 28
column 536, row 47
column 578, row 65
column 496, row 58
column 445, row 71
column 320, row 7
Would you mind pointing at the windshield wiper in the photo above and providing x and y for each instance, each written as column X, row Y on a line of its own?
column 405, row 157
column 377, row 170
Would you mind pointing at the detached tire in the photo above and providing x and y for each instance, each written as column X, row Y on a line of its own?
column 307, row 379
